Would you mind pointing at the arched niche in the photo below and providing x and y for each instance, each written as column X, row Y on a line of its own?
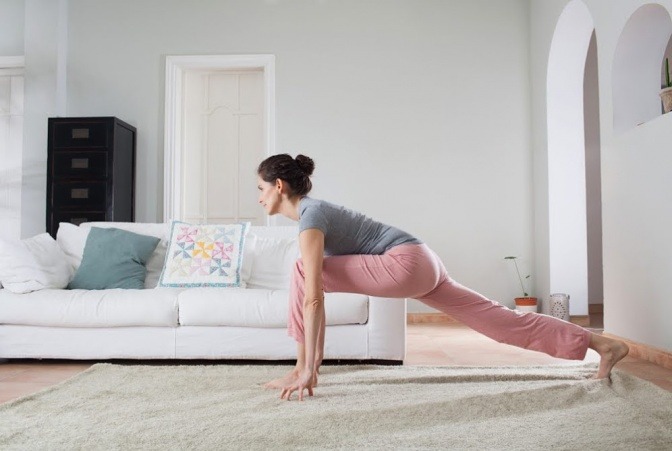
column 636, row 70
column 668, row 56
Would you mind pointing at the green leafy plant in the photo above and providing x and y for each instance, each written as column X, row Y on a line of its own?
column 668, row 84
column 520, row 278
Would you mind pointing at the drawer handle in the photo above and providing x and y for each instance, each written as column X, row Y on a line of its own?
column 80, row 133
column 79, row 163
column 79, row 193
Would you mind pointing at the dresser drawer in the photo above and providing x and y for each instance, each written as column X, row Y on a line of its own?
column 74, row 217
column 79, row 164
column 79, row 134
column 80, row 194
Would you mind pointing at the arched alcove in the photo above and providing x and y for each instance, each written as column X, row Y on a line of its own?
column 668, row 56
column 568, row 241
column 636, row 69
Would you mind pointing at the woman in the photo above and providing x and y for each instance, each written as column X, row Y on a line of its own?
column 345, row 251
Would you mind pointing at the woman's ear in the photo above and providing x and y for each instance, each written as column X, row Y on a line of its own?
column 279, row 185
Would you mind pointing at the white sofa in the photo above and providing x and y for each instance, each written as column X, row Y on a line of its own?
column 195, row 323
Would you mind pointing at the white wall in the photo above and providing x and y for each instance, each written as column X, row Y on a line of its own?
column 11, row 27
column 635, row 185
column 417, row 113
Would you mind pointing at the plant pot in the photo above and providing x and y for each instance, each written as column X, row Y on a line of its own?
column 666, row 96
column 526, row 304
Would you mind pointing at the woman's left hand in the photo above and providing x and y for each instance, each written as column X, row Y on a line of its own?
column 303, row 382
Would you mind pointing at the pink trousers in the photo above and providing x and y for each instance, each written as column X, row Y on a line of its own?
column 415, row 271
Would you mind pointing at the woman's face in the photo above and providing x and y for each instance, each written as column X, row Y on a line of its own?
column 269, row 196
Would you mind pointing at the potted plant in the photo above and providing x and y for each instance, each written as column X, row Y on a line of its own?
column 525, row 303
column 666, row 92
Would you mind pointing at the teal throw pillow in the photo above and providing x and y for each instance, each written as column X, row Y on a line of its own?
column 114, row 258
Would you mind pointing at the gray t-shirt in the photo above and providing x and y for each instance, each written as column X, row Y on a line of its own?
column 347, row 232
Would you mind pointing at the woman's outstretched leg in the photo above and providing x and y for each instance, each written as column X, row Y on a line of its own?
column 526, row 330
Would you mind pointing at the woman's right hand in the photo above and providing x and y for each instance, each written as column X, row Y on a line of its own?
column 303, row 382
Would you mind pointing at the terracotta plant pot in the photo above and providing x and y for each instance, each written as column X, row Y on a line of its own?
column 666, row 96
column 526, row 304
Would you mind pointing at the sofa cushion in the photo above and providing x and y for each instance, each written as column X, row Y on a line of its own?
column 33, row 264
column 114, row 258
column 159, row 230
column 204, row 255
column 287, row 231
column 270, row 253
column 261, row 308
column 96, row 308
column 72, row 239
column 272, row 262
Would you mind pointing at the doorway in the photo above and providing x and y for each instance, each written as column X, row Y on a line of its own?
column 574, row 182
column 223, row 142
column 220, row 123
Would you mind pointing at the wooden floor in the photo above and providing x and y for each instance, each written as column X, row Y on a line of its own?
column 427, row 344
column 456, row 344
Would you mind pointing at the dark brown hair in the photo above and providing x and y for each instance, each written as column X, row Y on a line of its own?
column 295, row 172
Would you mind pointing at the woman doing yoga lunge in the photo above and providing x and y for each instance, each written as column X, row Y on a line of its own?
column 345, row 251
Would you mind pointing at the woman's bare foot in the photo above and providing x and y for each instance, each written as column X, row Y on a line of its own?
column 610, row 350
column 286, row 380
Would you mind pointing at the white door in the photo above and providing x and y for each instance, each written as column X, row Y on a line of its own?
column 223, row 142
column 11, row 149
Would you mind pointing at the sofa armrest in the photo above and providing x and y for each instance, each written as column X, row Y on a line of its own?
column 387, row 328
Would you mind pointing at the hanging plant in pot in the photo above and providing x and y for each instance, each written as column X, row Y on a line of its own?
column 525, row 303
column 666, row 92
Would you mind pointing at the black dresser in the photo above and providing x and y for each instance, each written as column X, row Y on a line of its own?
column 91, row 171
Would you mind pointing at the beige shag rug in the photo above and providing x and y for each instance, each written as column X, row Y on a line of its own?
column 224, row 407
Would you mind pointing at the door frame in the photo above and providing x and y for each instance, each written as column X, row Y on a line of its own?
column 12, row 61
column 173, row 146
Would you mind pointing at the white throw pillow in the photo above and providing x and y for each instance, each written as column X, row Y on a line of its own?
column 33, row 264
column 273, row 262
column 155, row 264
column 248, row 257
column 72, row 239
column 201, row 255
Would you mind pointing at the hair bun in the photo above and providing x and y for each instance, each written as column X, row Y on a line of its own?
column 306, row 164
